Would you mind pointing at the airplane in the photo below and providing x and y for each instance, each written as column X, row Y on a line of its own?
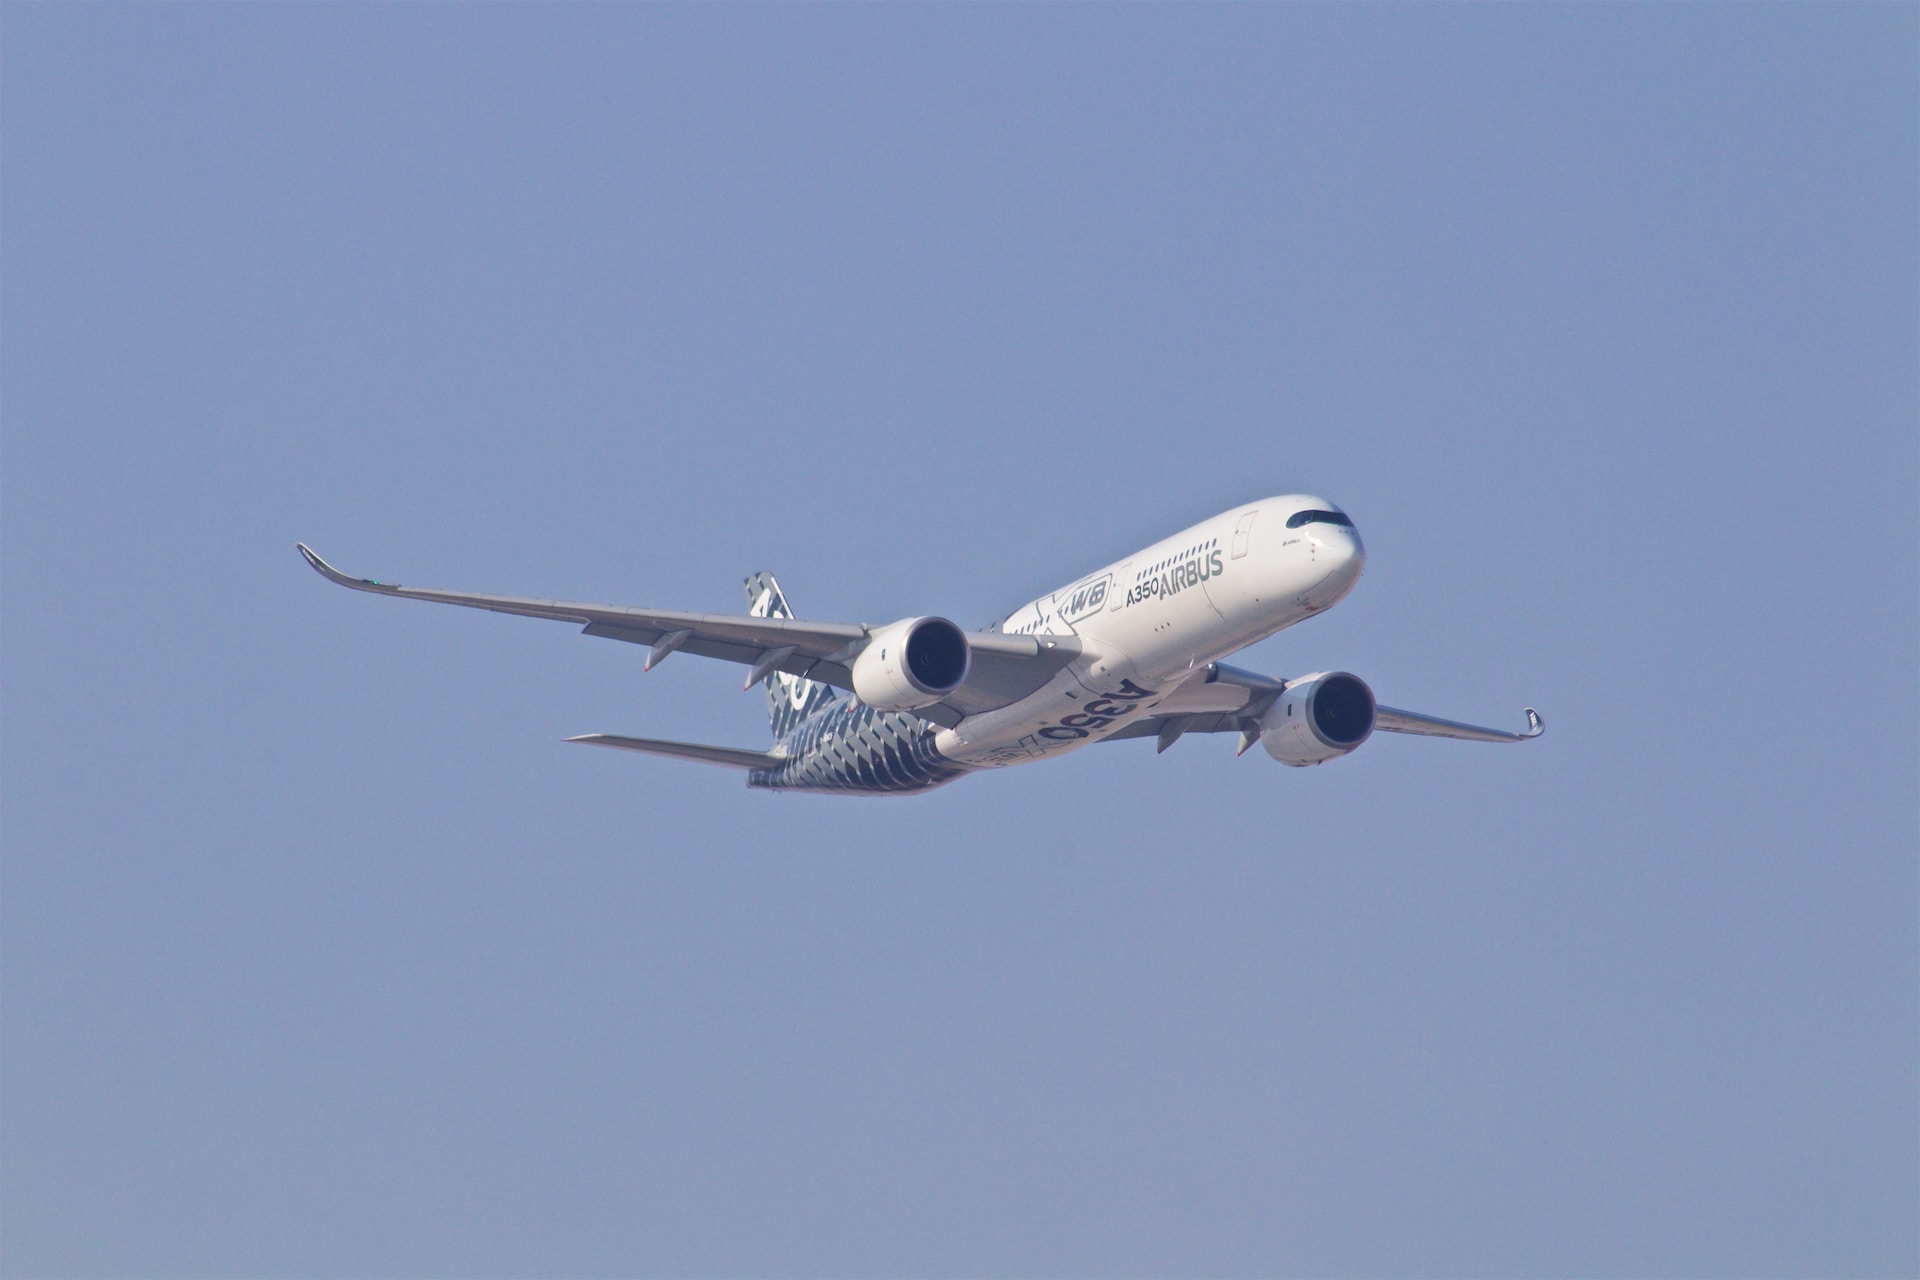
column 1131, row 650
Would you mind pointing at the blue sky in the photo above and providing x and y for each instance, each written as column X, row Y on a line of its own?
column 323, row 954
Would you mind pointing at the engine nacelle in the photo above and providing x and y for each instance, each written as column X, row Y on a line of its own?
column 1318, row 718
column 912, row 664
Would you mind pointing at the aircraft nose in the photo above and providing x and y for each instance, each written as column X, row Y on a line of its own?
column 1336, row 543
column 1342, row 552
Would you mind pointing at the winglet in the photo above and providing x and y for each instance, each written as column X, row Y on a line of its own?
column 332, row 574
column 1535, row 725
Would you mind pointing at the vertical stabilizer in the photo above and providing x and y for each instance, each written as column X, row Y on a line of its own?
column 790, row 699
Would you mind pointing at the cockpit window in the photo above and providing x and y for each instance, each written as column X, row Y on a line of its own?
column 1299, row 518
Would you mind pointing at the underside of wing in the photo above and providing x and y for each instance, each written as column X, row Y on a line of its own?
column 1201, row 722
column 1228, row 700
column 1168, row 728
column 1392, row 721
column 1003, row 670
column 1217, row 699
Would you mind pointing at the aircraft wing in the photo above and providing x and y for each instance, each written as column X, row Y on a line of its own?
column 1393, row 721
column 1225, row 699
column 1169, row 728
column 1004, row 668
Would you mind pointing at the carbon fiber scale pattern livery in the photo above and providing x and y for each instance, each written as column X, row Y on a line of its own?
column 839, row 744
column 850, row 747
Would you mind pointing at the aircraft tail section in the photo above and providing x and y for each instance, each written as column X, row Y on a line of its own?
column 790, row 699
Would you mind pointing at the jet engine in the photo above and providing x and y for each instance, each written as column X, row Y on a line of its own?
column 1318, row 718
column 912, row 664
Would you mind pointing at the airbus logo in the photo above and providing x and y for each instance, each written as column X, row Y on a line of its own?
column 1171, row 581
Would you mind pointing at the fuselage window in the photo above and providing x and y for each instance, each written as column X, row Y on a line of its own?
column 1299, row 518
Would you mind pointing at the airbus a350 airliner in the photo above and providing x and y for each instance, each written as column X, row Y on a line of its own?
column 1129, row 651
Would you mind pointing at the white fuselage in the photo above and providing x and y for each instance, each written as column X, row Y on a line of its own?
column 1151, row 622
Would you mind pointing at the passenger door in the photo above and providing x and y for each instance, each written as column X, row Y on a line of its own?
column 1241, row 532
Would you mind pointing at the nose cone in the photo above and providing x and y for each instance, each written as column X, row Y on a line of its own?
column 1339, row 549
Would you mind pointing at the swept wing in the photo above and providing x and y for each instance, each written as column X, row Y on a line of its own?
column 1433, row 727
column 1225, row 699
column 1004, row 668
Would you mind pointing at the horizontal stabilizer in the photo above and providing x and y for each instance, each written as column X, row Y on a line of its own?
column 733, row 757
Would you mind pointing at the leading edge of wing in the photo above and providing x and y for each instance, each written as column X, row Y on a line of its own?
column 743, row 639
column 732, row 757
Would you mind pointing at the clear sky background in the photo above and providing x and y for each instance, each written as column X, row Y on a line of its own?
column 324, row 955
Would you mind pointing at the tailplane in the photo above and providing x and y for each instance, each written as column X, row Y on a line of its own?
column 732, row 757
column 790, row 699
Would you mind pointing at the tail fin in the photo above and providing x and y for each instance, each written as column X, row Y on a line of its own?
column 790, row 699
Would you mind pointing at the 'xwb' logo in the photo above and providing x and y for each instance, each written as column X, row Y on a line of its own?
column 1084, row 600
